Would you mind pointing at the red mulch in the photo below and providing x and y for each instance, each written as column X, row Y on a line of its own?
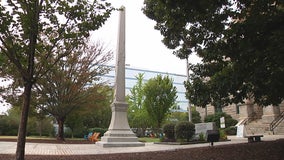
column 49, row 141
column 273, row 150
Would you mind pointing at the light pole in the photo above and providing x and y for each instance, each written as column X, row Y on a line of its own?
column 187, row 76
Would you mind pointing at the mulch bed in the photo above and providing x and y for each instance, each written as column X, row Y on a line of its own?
column 272, row 150
column 69, row 141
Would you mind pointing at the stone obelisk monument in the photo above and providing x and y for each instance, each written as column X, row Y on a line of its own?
column 119, row 133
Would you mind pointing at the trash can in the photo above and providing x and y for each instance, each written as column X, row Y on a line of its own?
column 212, row 136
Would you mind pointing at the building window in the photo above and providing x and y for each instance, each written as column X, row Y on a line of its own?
column 237, row 109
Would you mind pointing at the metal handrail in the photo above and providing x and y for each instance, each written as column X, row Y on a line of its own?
column 276, row 121
column 243, row 122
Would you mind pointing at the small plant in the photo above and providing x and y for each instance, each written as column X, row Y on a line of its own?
column 201, row 136
column 223, row 135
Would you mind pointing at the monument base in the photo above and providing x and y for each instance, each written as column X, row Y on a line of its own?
column 119, row 138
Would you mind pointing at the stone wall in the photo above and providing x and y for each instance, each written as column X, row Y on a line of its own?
column 232, row 110
column 260, row 117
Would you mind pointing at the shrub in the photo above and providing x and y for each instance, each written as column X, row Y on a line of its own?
column 184, row 130
column 169, row 130
column 231, row 130
column 229, row 121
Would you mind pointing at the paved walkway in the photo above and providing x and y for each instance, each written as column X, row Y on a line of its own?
column 89, row 149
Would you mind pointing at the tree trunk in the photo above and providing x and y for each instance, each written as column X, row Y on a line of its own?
column 60, row 135
column 20, row 152
column 40, row 127
column 72, row 132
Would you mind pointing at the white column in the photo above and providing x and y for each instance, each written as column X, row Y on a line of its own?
column 119, row 133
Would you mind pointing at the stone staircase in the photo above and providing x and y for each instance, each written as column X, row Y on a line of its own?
column 257, row 126
column 277, row 125
column 279, row 130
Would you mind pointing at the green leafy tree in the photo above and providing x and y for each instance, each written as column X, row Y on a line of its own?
column 69, row 85
column 96, row 114
column 183, row 116
column 40, row 126
column 177, row 116
column 186, row 25
column 160, row 96
column 196, row 118
column 137, row 114
column 10, row 122
column 240, row 43
column 33, row 32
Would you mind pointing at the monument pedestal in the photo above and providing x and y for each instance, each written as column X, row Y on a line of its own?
column 119, row 133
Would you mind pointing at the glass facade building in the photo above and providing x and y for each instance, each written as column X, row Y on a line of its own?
column 130, row 81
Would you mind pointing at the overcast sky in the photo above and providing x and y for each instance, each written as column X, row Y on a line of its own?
column 144, row 48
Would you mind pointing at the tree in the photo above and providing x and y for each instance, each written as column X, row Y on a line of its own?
column 196, row 118
column 186, row 25
column 10, row 122
column 137, row 114
column 160, row 96
column 96, row 114
column 31, row 32
column 183, row 116
column 72, row 83
column 240, row 43
column 177, row 116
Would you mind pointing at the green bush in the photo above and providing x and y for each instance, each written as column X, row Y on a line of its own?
column 184, row 130
column 8, row 126
column 229, row 121
column 231, row 130
column 169, row 130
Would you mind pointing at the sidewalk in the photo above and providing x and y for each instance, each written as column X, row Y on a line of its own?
column 91, row 149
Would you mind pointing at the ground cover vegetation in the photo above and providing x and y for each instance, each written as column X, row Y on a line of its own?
column 35, row 35
column 240, row 43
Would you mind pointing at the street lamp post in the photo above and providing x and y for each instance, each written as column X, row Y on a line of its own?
column 187, row 76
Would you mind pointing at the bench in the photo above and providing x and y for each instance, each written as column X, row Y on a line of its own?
column 94, row 137
column 253, row 138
